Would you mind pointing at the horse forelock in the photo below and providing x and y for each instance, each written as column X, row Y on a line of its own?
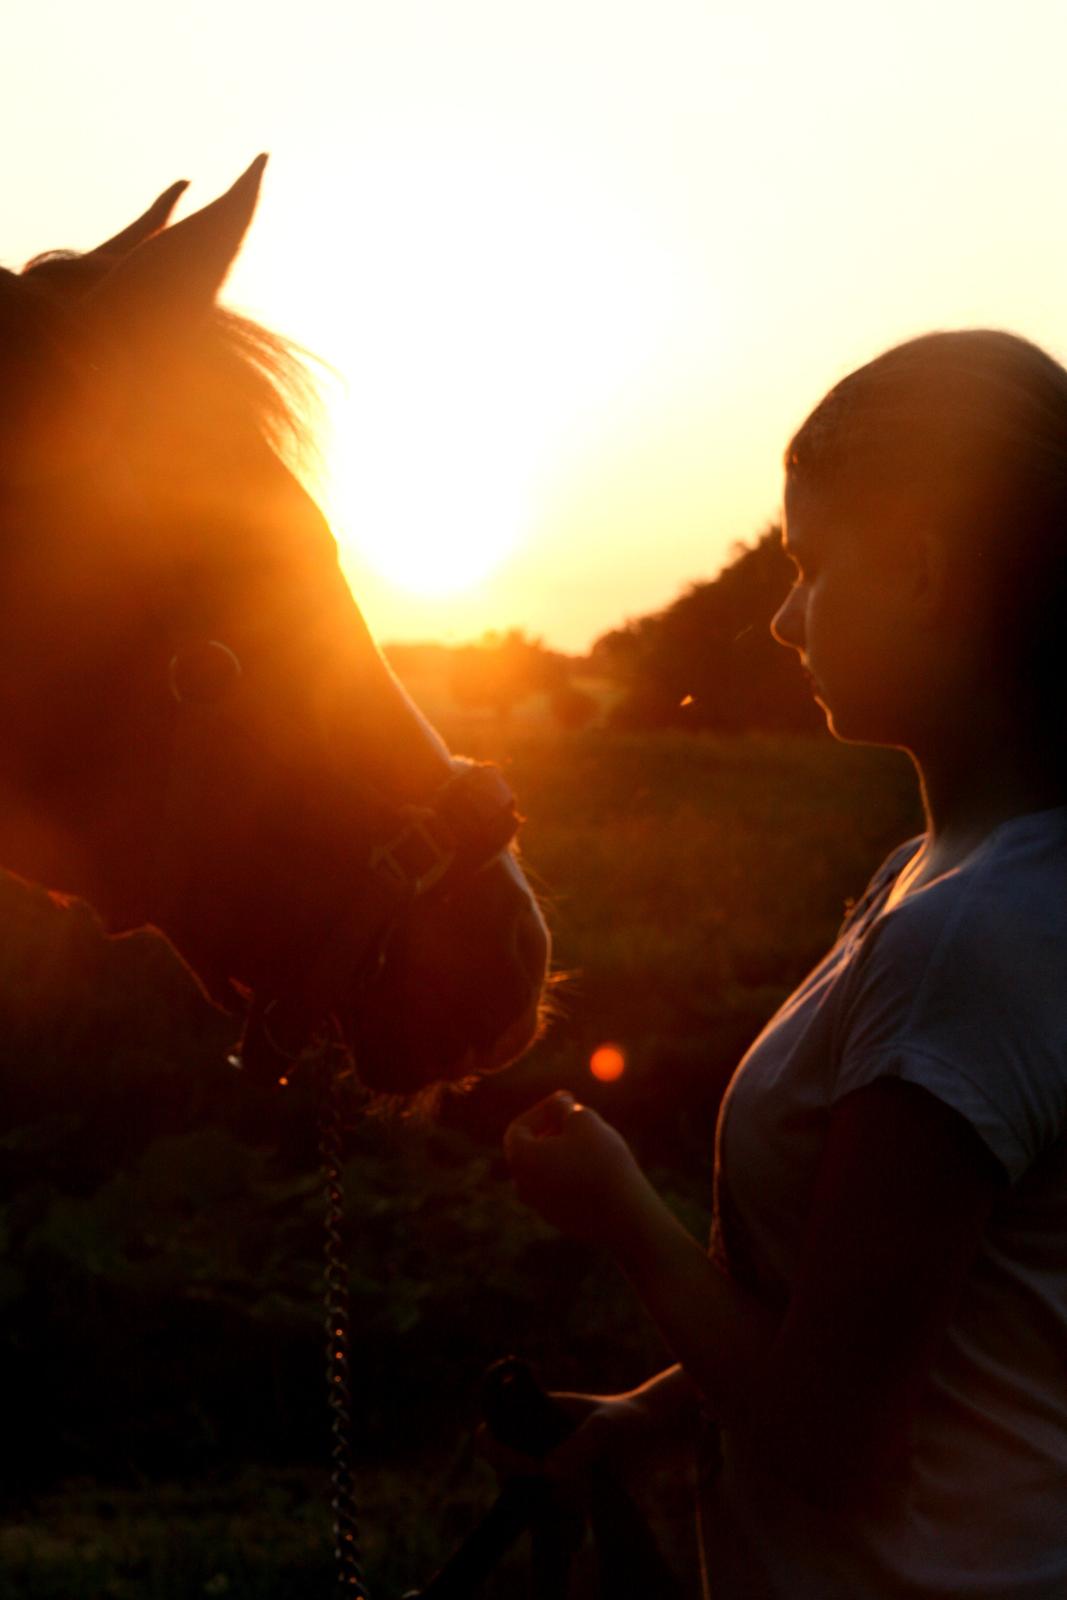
column 255, row 378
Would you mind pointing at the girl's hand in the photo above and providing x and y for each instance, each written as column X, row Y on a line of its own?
column 610, row 1428
column 576, row 1170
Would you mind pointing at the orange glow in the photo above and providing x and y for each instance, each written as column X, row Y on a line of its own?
column 607, row 1062
column 471, row 387
column 565, row 324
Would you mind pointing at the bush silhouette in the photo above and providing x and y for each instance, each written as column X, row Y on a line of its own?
column 572, row 708
column 708, row 660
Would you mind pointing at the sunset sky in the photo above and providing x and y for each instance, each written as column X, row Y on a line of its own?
column 580, row 266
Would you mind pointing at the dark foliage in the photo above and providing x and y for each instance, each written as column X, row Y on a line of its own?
column 708, row 660
column 572, row 708
column 161, row 1222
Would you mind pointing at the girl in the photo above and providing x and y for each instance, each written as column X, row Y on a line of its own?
column 879, row 1330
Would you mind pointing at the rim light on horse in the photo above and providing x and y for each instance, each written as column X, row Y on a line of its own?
column 198, row 731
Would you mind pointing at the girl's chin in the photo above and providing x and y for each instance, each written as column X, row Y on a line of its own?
column 858, row 730
column 838, row 722
column 851, row 726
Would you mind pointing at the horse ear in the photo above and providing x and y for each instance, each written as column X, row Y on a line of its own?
column 179, row 271
column 148, row 223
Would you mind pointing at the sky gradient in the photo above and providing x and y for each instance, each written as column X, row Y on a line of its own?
column 580, row 267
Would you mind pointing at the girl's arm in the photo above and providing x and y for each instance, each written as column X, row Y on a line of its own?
column 614, row 1428
column 903, row 1193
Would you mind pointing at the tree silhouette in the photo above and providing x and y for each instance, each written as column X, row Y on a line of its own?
column 708, row 660
column 572, row 708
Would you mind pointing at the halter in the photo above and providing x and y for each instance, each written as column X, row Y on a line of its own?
column 415, row 850
column 428, row 849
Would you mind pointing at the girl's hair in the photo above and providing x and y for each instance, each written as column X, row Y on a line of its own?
column 967, row 430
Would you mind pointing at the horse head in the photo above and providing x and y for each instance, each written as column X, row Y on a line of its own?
column 198, row 731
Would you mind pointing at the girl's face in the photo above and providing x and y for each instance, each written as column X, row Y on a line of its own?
column 851, row 617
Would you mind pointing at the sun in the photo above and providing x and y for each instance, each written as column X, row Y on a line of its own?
column 434, row 499
column 496, row 309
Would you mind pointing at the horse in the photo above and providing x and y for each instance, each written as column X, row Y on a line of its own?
column 198, row 732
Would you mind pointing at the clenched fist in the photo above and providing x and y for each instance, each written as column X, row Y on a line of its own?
column 576, row 1170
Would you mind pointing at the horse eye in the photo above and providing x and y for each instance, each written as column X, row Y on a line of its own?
column 202, row 673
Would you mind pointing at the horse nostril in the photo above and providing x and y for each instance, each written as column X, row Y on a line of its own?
column 529, row 941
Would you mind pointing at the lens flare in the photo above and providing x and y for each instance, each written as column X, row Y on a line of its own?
column 608, row 1062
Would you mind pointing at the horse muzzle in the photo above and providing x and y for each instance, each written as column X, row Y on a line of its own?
column 460, row 993
column 435, row 968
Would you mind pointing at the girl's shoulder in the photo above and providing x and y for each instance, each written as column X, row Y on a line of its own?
column 1011, row 891
column 961, row 986
column 862, row 910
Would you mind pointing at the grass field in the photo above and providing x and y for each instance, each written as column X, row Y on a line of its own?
column 690, row 881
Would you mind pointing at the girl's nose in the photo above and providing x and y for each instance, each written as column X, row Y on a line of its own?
column 787, row 624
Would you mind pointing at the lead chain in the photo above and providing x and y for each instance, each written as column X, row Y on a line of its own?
column 350, row 1582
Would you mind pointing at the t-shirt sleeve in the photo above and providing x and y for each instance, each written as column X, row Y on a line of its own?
column 968, row 1001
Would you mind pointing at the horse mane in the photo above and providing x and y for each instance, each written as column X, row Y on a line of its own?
column 256, row 374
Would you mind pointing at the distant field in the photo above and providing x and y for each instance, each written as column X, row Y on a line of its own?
column 689, row 881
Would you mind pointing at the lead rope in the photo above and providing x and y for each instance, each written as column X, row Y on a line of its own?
column 350, row 1582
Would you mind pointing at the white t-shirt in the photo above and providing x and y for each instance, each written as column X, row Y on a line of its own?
column 962, row 988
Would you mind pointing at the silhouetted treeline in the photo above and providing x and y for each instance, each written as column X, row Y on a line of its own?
column 708, row 660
